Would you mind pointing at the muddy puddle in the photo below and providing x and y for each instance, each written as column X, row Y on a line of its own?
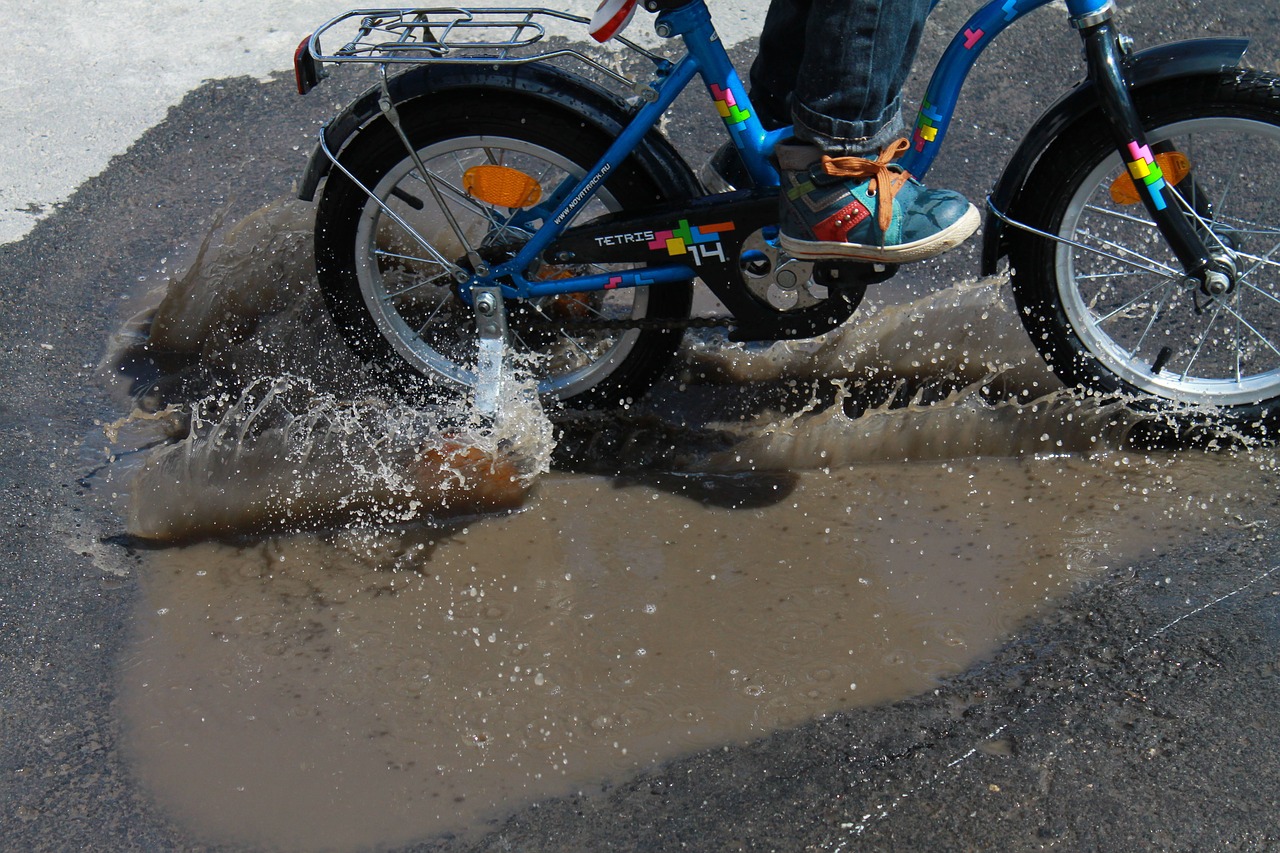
column 365, row 623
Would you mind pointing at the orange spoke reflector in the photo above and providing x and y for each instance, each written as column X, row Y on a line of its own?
column 501, row 186
column 569, row 306
column 1173, row 167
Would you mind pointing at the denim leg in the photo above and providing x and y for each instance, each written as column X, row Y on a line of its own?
column 777, row 64
column 841, row 65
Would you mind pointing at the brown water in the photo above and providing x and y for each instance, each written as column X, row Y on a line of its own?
column 396, row 675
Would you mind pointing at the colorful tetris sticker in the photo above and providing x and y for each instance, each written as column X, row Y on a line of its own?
column 927, row 122
column 678, row 240
column 1143, row 167
column 727, row 105
column 641, row 280
column 983, row 27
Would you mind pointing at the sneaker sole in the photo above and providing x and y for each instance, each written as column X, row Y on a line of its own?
column 945, row 240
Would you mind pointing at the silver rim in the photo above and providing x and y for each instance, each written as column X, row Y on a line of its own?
column 1127, row 302
column 408, row 287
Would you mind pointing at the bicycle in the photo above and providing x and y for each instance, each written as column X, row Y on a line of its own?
column 487, row 193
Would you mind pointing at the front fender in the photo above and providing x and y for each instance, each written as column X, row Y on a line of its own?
column 1146, row 68
column 536, row 82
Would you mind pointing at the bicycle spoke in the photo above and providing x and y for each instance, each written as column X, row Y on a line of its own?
column 1244, row 226
column 1155, row 268
column 573, row 342
column 1206, row 226
column 596, row 311
column 1259, row 261
column 1238, row 350
column 1256, row 333
column 391, row 297
column 1099, row 276
column 518, row 338
column 1155, row 315
column 439, row 305
column 1120, row 215
column 1204, row 338
column 1126, row 306
column 454, row 192
column 560, row 332
column 1226, row 190
column 396, row 256
column 1258, row 290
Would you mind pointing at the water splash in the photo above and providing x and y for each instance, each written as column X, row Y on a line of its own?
column 271, row 424
column 966, row 332
column 963, row 425
column 282, row 456
column 241, row 277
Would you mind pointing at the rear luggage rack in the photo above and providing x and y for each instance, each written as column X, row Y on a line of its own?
column 498, row 36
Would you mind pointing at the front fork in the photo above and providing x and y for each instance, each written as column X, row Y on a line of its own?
column 1207, row 264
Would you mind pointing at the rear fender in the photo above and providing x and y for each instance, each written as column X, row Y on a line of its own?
column 1147, row 68
column 534, row 82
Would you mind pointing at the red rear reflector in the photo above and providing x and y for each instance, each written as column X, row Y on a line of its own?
column 306, row 71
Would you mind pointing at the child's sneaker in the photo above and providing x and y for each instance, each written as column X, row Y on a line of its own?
column 849, row 207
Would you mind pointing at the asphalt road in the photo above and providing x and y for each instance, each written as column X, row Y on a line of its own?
column 1142, row 715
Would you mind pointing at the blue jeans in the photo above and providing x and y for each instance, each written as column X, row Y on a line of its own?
column 835, row 68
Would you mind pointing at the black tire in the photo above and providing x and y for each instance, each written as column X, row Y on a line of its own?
column 1122, row 323
column 395, row 299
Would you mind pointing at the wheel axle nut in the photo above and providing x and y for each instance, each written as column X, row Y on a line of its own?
column 1216, row 283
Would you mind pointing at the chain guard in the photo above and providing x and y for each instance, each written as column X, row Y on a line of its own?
column 719, row 238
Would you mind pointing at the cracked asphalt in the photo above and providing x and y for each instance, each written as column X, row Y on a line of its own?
column 1141, row 715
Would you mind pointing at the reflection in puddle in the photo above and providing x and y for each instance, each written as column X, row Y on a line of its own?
column 373, row 685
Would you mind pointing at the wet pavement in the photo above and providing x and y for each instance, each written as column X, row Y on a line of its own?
column 1140, row 715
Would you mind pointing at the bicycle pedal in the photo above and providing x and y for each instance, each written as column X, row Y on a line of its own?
column 841, row 274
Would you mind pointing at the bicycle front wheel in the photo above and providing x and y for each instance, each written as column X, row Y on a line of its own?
column 389, row 260
column 1107, row 304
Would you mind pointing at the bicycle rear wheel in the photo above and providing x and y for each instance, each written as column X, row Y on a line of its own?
column 389, row 263
column 1108, row 307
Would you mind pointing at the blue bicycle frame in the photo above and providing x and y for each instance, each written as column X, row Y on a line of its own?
column 706, row 57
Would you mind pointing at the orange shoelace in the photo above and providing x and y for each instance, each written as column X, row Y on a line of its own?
column 884, row 183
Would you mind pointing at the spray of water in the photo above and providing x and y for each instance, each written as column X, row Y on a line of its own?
column 282, row 456
column 965, row 332
column 280, row 427
column 963, row 425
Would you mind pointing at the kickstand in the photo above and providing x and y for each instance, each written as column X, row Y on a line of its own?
column 491, row 326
